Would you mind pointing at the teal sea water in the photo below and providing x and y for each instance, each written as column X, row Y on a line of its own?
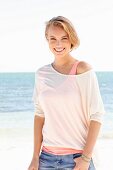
column 16, row 105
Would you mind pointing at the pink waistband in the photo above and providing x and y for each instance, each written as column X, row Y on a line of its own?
column 60, row 151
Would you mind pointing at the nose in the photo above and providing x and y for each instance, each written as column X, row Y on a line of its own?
column 58, row 43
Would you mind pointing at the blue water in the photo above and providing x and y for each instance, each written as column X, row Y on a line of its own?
column 16, row 105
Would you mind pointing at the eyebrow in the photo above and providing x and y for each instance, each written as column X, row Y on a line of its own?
column 61, row 37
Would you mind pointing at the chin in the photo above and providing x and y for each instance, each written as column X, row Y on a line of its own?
column 62, row 54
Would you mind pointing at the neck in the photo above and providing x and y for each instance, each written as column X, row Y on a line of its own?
column 63, row 61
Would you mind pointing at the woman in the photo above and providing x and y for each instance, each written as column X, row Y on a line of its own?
column 68, row 105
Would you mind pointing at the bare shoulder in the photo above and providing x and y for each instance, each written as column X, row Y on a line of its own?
column 83, row 67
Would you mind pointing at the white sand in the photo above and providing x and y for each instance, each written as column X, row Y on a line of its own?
column 105, row 154
column 18, row 158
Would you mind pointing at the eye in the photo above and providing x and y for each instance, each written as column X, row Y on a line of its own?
column 64, row 38
column 52, row 39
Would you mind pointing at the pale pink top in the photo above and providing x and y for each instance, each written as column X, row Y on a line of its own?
column 68, row 103
column 61, row 150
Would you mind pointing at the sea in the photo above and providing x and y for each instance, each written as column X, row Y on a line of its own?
column 17, row 109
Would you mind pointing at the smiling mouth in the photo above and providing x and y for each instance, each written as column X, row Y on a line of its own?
column 59, row 50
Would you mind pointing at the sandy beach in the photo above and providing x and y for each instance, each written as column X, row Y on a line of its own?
column 105, row 154
column 19, row 157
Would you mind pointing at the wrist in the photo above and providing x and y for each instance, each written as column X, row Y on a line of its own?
column 85, row 158
column 35, row 157
column 87, row 153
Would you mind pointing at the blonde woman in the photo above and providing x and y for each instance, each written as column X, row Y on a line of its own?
column 68, row 105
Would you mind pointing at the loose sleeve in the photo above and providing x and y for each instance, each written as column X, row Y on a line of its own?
column 37, row 107
column 96, row 108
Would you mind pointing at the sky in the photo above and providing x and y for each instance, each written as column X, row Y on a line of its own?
column 23, row 47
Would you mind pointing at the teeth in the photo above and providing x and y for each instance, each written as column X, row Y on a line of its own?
column 59, row 50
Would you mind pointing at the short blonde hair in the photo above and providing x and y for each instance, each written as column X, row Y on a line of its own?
column 68, row 28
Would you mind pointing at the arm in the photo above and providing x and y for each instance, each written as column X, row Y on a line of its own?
column 94, row 125
column 38, row 125
column 39, row 119
column 95, row 110
column 90, row 143
column 93, row 132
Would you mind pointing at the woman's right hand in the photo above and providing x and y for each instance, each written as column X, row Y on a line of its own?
column 34, row 164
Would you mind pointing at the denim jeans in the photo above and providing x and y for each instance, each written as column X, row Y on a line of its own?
column 48, row 161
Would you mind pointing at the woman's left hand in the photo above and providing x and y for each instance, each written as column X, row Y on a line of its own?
column 81, row 164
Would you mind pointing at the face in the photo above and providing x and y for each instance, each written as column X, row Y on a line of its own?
column 58, row 40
